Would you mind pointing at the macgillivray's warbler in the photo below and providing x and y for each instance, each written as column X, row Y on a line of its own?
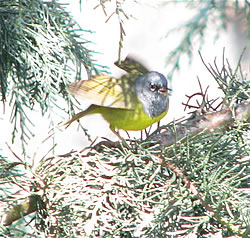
column 132, row 102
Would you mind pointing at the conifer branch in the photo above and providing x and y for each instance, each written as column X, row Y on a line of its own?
column 212, row 14
column 209, row 123
column 43, row 49
column 195, row 185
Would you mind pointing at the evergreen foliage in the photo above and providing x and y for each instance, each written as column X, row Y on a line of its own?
column 197, row 186
column 42, row 49
column 210, row 14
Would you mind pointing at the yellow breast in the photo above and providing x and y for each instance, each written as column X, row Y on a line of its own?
column 129, row 120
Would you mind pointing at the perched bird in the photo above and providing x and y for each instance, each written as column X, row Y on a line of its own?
column 132, row 102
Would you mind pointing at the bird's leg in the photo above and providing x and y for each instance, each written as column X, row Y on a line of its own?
column 115, row 132
column 142, row 134
column 128, row 134
column 147, row 132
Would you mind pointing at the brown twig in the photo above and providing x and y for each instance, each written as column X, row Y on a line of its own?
column 206, row 105
column 185, row 180
column 203, row 123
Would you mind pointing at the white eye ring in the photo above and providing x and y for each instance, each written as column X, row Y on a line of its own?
column 152, row 87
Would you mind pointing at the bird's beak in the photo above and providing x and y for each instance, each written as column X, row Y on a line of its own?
column 165, row 91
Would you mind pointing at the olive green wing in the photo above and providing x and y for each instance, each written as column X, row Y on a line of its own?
column 106, row 91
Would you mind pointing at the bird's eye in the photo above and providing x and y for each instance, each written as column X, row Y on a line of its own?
column 152, row 87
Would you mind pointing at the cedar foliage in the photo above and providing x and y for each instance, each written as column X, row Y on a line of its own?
column 195, row 186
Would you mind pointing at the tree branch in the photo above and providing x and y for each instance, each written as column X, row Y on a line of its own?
column 203, row 123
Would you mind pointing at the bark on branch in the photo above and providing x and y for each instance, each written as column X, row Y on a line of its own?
column 206, row 123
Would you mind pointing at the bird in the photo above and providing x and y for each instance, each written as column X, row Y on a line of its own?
column 132, row 102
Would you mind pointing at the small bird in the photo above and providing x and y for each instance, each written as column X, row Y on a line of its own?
column 132, row 102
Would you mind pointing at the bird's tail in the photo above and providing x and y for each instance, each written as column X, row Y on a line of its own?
column 90, row 110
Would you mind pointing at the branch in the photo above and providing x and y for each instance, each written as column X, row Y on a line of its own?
column 203, row 123
column 191, row 186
